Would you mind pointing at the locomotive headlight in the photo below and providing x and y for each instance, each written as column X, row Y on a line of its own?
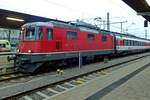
column 29, row 51
column 18, row 50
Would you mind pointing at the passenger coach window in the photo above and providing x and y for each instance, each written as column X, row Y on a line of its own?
column 126, row 42
column 49, row 34
column 71, row 35
column 129, row 42
column 91, row 37
column 104, row 38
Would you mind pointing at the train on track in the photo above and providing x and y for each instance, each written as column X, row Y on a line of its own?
column 54, row 41
column 5, row 46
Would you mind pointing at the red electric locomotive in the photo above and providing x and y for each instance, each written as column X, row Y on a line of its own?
column 42, row 42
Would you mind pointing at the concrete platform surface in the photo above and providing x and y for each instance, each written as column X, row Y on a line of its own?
column 131, row 82
column 138, row 88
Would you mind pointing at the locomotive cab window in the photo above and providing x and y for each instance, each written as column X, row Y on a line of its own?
column 39, row 34
column 104, row 38
column 33, row 33
column 49, row 34
column 21, row 34
column 91, row 37
column 72, row 35
column 30, row 33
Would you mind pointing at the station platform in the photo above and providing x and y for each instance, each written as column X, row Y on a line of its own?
column 130, row 82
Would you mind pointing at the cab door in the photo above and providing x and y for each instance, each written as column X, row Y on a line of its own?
column 49, row 40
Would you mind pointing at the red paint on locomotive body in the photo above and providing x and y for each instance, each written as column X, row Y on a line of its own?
column 58, row 42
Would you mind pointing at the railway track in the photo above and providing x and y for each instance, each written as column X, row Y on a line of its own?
column 12, row 76
column 56, row 89
column 51, row 90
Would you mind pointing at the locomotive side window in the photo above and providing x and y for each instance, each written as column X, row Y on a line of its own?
column 49, row 34
column 104, row 38
column 91, row 37
column 71, row 35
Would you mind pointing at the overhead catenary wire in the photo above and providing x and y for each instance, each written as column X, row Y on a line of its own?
column 67, row 7
column 113, row 2
column 87, row 13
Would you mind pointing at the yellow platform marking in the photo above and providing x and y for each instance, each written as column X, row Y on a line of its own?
column 5, row 77
column 79, row 81
column 12, row 81
column 103, row 72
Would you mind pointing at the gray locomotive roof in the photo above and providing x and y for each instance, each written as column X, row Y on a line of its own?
column 64, row 25
column 38, row 24
column 52, row 24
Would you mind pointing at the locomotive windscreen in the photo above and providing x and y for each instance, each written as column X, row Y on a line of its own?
column 32, row 33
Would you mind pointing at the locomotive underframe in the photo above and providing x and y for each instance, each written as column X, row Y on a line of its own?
column 31, row 62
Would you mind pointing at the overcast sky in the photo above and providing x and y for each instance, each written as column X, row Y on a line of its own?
column 81, row 9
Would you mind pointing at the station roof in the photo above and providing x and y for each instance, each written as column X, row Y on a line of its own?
column 5, row 21
column 140, row 6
